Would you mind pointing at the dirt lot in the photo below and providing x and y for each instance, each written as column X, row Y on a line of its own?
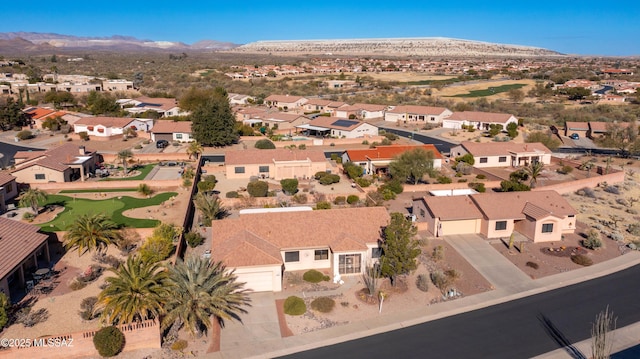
column 462, row 88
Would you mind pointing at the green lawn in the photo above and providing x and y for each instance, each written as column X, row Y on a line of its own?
column 112, row 207
column 490, row 91
column 144, row 171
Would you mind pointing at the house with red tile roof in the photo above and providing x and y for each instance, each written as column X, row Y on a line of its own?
column 8, row 189
column 285, row 102
column 277, row 163
column 376, row 160
column 417, row 114
column 479, row 120
column 503, row 154
column 323, row 126
column 22, row 249
column 172, row 131
column 260, row 247
column 111, row 127
column 65, row 163
column 541, row 216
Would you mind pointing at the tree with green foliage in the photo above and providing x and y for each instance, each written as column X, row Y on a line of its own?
column 264, row 144
column 124, row 156
column 622, row 136
column 513, row 186
column 109, row 341
column 351, row 169
column 91, row 232
column 159, row 246
column 258, row 188
column 194, row 149
column 466, row 158
column 11, row 115
column 136, row 292
column 102, row 103
column 512, row 129
column 196, row 97
column 289, row 185
column 534, row 170
column 412, row 165
column 207, row 184
column 58, row 98
column 54, row 124
column 201, row 289
column 546, row 138
column 399, row 248
column 210, row 208
column 213, row 123
column 495, row 129
column 32, row 197
column 5, row 305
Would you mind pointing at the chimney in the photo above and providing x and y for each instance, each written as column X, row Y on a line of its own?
column 82, row 150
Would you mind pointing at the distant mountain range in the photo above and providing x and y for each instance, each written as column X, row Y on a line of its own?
column 32, row 42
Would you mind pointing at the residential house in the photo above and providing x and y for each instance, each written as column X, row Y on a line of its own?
column 166, row 107
column 117, row 85
column 479, row 120
column 261, row 247
column 503, row 154
column 608, row 98
column 246, row 113
column 277, row 164
column 172, row 131
column 23, row 249
column 322, row 126
column 286, row 102
column 542, row 216
column 40, row 114
column 238, row 99
column 417, row 114
column 599, row 128
column 579, row 128
column 279, row 120
column 8, row 189
column 110, row 127
column 317, row 105
column 65, row 163
column 363, row 111
column 376, row 160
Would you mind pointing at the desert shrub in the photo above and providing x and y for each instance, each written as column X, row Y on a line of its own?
column 422, row 282
column 323, row 205
column 179, row 345
column 94, row 272
column 353, row 199
column 391, row 136
column 439, row 280
column 533, row 265
column 340, row 200
column 513, row 186
column 232, row 194
column 83, row 135
column 582, row 260
column 481, row 176
column 438, row 253
column 612, row 189
column 617, row 236
column 464, row 168
column 144, row 189
column 622, row 201
column 586, row 192
column 329, row 179
column 313, row 276
column 462, row 180
column 264, row 144
column 138, row 147
column 634, row 229
column 28, row 216
column 566, row 169
column 87, row 307
column 109, row 341
column 468, row 158
column 258, row 188
column 593, row 240
column 4, row 308
column 77, row 285
column 519, row 175
column 156, row 249
column 386, row 193
column 352, row 170
column 289, row 185
column 394, row 186
column 478, row 187
column 29, row 318
column 24, row 135
column 444, row 179
column 323, row 304
column 300, row 198
column 109, row 260
column 193, row 239
column 363, row 182
column 294, row 306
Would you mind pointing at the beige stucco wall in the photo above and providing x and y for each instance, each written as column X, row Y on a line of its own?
column 466, row 226
column 278, row 170
column 28, row 175
column 489, row 228
column 275, row 272
column 307, row 260
column 363, row 130
column 533, row 229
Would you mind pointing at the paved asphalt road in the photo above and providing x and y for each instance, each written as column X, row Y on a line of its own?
column 521, row 328
column 442, row 145
column 8, row 151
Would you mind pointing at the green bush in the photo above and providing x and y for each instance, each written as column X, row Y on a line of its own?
column 422, row 282
column 593, row 240
column 28, row 216
column 353, row 170
column 144, row 189
column 289, row 185
column 329, row 179
column 193, row 239
column 83, row 135
column 353, row 199
column 468, row 158
column 478, row 187
column 300, row 198
column 109, row 341
column 582, row 260
column 179, row 345
column 77, row 285
column 294, row 306
column 313, row 276
column 363, row 182
column 4, row 309
column 444, row 179
column 438, row 253
column 265, row 144
column 566, row 169
column 323, row 205
column 323, row 304
column 156, row 249
column 232, row 194
column 394, row 186
column 24, row 135
column 387, row 194
column 258, row 189
column 481, row 176
column 340, row 200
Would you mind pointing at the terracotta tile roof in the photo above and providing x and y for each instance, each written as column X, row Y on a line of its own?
column 418, row 110
column 39, row 112
column 505, row 205
column 503, row 148
column 345, row 228
column 171, row 127
column 387, row 152
column 247, row 157
column 5, row 177
column 535, row 212
column 474, row 116
column 112, row 122
column 318, row 102
column 370, row 107
column 17, row 241
column 452, row 208
column 578, row 126
column 283, row 98
column 58, row 158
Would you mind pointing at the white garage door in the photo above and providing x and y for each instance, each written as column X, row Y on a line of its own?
column 257, row 281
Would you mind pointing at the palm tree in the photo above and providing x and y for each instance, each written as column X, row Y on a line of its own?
column 210, row 208
column 137, row 292
column 32, row 198
column 124, row 156
column 194, row 149
column 201, row 289
column 534, row 170
column 91, row 231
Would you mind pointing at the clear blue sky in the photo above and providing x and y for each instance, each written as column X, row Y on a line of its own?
column 572, row 27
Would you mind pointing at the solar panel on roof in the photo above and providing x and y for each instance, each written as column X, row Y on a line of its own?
column 344, row 123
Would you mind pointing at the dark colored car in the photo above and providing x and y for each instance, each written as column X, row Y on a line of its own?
column 162, row 143
column 574, row 136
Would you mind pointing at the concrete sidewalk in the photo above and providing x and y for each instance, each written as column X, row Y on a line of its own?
column 259, row 336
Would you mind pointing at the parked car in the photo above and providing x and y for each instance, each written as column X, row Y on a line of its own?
column 574, row 136
column 162, row 143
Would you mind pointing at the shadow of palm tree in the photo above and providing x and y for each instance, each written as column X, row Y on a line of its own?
column 557, row 335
